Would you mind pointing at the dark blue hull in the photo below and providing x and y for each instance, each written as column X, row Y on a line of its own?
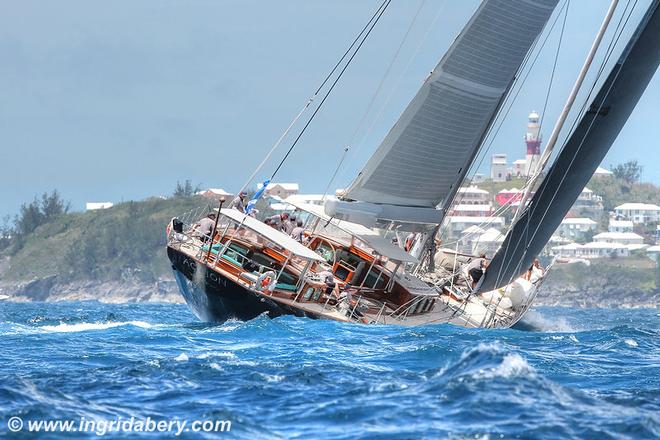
column 213, row 297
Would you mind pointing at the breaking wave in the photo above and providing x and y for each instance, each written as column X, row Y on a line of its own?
column 88, row 326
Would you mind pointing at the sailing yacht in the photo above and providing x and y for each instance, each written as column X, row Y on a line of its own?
column 349, row 269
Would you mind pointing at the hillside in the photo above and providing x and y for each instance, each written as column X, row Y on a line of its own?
column 118, row 254
column 125, row 241
column 616, row 191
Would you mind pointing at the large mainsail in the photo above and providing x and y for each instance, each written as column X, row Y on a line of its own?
column 581, row 154
column 427, row 153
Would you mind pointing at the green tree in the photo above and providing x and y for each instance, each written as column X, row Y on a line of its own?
column 630, row 171
column 185, row 189
column 6, row 232
column 53, row 206
column 29, row 218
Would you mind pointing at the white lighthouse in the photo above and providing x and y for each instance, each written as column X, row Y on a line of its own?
column 533, row 142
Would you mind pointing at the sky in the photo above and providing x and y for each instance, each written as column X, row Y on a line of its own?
column 116, row 101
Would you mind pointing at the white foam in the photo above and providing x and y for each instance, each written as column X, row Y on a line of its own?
column 540, row 323
column 211, row 354
column 513, row 365
column 573, row 338
column 631, row 342
column 87, row 326
column 215, row 366
column 272, row 377
column 181, row 358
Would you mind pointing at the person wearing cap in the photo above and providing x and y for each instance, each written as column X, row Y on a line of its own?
column 238, row 202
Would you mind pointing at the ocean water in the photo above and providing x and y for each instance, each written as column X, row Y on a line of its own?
column 566, row 374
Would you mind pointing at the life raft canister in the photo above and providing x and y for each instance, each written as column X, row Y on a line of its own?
column 266, row 282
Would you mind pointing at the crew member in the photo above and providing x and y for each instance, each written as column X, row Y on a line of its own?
column 204, row 227
column 476, row 269
column 239, row 202
column 298, row 232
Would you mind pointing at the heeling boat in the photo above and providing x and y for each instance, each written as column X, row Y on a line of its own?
column 410, row 184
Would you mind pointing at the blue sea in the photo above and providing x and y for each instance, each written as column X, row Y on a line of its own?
column 567, row 373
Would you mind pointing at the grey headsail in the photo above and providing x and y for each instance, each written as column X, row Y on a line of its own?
column 580, row 155
column 425, row 156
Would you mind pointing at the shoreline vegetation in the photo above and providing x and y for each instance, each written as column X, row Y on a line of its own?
column 118, row 255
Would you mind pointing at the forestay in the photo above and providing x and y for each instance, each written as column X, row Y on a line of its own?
column 581, row 155
column 427, row 153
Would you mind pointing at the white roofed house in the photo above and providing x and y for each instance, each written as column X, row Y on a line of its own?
column 215, row 193
column 587, row 204
column 93, row 206
column 639, row 212
column 473, row 195
column 488, row 242
column 620, row 226
column 576, row 228
column 498, row 171
column 570, row 250
column 472, row 210
column 619, row 237
column 519, row 168
column 602, row 172
column 456, row 226
column 599, row 249
column 281, row 190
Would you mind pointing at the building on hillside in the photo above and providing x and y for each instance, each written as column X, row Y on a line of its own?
column 620, row 226
column 488, row 242
column 281, row 190
column 638, row 212
column 519, row 168
column 619, row 237
column 603, row 249
column 587, row 204
column 602, row 172
column 455, row 225
column 93, row 206
column 591, row 250
column 498, row 168
column 471, row 210
column 511, row 196
column 473, row 195
column 215, row 193
column 653, row 253
column 576, row 228
column 570, row 250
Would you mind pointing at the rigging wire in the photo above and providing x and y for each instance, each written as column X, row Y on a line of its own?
column 397, row 84
column 313, row 97
column 334, row 83
column 374, row 96
column 554, row 68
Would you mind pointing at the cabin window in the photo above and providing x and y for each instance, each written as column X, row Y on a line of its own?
column 371, row 280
